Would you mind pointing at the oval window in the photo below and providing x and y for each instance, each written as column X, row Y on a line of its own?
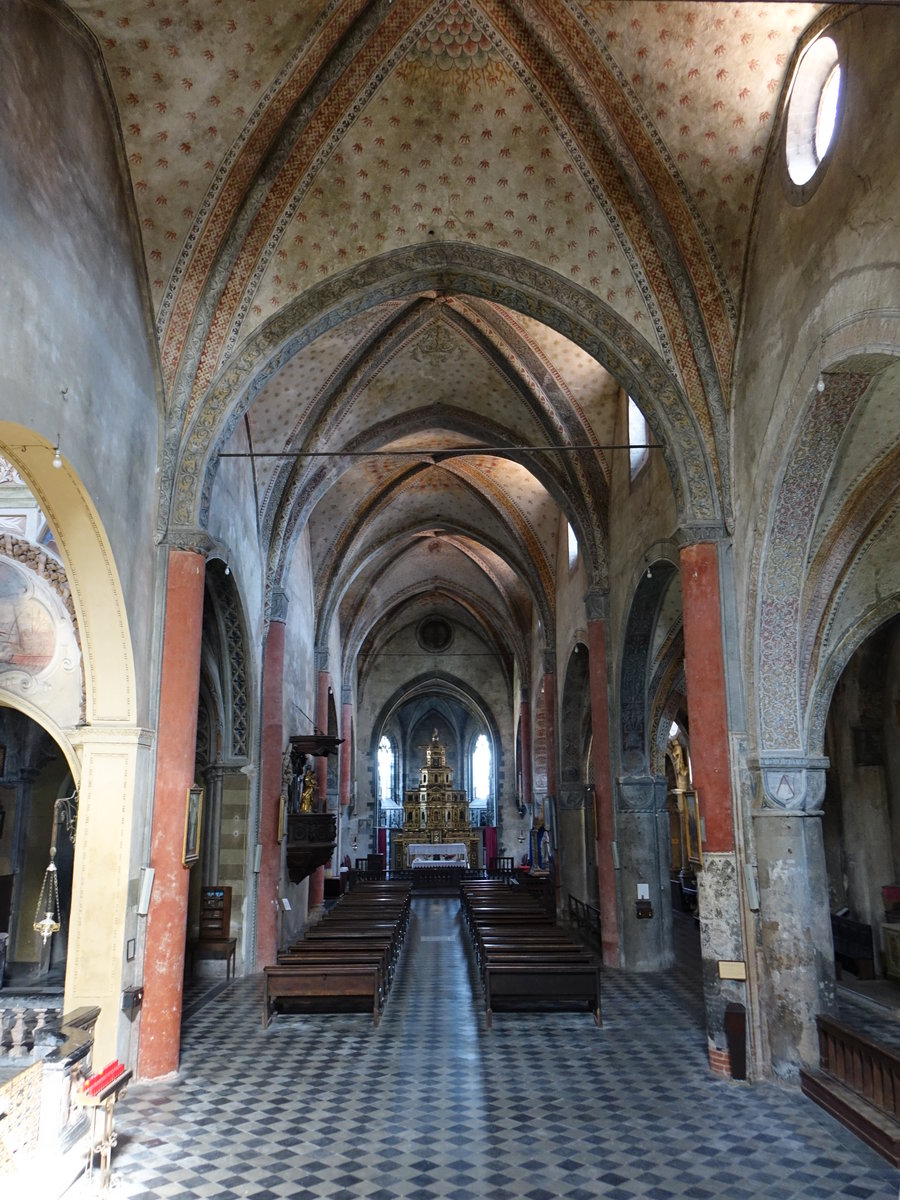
column 812, row 110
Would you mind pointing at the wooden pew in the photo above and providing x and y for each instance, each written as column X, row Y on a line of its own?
column 336, row 980
column 349, row 955
column 524, row 956
column 540, row 977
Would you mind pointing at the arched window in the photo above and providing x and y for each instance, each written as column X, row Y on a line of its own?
column 481, row 770
column 386, row 760
column 573, row 546
column 637, row 438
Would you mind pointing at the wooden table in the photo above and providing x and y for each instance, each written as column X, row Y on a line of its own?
column 214, row 948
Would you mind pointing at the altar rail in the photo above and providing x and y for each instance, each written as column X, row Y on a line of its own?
column 858, row 1082
column 408, row 874
column 871, row 1069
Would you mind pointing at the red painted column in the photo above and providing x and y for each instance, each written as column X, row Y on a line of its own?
column 346, row 751
column 317, row 879
column 549, row 693
column 160, row 1033
column 704, row 668
column 272, row 751
column 548, row 688
column 525, row 719
column 606, row 873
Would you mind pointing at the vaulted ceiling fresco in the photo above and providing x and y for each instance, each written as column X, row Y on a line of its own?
column 376, row 231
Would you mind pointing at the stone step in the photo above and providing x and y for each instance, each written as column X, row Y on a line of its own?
column 877, row 1129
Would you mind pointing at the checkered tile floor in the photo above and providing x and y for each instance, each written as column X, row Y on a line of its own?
column 432, row 1105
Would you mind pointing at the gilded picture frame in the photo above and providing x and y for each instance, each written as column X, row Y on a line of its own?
column 693, row 828
column 192, row 815
column 282, row 817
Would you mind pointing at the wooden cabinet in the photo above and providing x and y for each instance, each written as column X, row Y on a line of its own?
column 215, row 912
column 215, row 939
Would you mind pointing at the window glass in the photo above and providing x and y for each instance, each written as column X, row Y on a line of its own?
column 813, row 110
column 637, row 437
column 385, row 769
column 481, row 770
column 573, row 546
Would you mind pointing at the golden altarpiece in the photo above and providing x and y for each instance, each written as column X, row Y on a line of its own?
column 436, row 830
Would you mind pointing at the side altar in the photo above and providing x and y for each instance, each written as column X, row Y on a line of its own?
column 435, row 819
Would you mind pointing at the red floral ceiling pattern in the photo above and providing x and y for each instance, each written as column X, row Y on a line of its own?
column 202, row 90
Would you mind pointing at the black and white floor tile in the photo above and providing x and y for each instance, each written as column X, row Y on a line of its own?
column 431, row 1105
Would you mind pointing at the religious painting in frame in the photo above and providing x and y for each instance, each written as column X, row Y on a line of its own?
column 192, row 813
column 693, row 829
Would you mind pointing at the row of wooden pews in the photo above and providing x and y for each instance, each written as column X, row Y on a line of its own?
column 349, row 956
column 525, row 959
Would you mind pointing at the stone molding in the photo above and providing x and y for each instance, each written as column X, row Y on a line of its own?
column 792, row 783
column 641, row 794
column 596, row 604
column 189, row 537
column 693, row 533
column 572, row 798
column 278, row 605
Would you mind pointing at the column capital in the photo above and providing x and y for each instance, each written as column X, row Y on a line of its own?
column 641, row 793
column 278, row 605
column 693, row 532
column 188, row 537
column 525, row 696
column 596, row 604
column 346, row 695
column 321, row 658
column 106, row 735
column 548, row 661
column 791, row 782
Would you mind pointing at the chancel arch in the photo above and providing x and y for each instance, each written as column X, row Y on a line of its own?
column 476, row 272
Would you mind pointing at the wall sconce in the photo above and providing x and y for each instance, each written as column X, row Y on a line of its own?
column 147, row 876
column 57, row 460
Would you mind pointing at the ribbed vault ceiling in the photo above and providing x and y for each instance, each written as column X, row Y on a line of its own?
column 274, row 149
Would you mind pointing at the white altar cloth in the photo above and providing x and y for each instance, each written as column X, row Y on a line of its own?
column 432, row 854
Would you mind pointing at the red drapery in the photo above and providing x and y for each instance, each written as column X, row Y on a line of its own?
column 490, row 844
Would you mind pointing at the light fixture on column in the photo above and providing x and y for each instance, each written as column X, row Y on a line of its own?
column 648, row 573
column 820, row 381
column 227, row 569
column 57, row 460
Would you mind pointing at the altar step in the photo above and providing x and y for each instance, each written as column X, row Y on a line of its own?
column 858, row 1083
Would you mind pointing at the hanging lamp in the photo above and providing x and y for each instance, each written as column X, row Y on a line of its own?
column 48, row 902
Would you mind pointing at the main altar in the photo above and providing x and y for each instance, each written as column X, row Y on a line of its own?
column 436, row 830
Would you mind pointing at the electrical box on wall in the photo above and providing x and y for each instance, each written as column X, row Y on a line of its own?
column 643, row 909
